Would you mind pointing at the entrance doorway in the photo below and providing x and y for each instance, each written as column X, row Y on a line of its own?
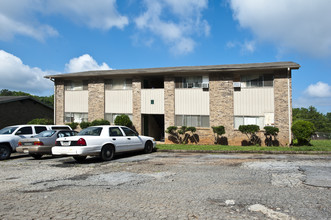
column 153, row 125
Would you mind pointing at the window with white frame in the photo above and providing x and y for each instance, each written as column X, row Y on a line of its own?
column 75, row 117
column 192, row 120
column 118, row 84
column 192, row 82
column 265, row 80
column 76, row 85
column 248, row 120
column 112, row 116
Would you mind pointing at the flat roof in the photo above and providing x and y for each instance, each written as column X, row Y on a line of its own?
column 182, row 69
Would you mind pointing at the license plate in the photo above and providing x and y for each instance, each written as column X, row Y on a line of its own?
column 25, row 144
column 65, row 143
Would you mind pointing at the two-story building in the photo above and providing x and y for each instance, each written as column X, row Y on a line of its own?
column 199, row 96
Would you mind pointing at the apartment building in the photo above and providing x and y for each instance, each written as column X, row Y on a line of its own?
column 199, row 96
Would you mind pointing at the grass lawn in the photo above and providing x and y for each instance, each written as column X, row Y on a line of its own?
column 318, row 145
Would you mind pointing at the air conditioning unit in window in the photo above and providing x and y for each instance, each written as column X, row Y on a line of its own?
column 236, row 84
column 205, row 85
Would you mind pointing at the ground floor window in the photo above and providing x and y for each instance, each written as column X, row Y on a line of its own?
column 192, row 120
column 75, row 117
column 248, row 120
column 111, row 117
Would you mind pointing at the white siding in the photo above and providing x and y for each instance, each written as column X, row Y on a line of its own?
column 76, row 101
column 254, row 101
column 191, row 102
column 118, row 101
column 152, row 94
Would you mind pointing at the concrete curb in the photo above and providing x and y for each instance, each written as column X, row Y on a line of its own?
column 245, row 152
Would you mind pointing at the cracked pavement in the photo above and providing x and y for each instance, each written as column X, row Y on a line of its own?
column 167, row 186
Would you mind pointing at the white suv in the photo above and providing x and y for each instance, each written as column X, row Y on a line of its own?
column 9, row 136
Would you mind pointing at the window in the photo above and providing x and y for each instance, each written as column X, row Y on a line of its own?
column 257, row 80
column 129, row 132
column 118, row 84
column 75, row 117
column 112, row 116
column 40, row 129
column 24, row 130
column 248, row 120
column 191, row 82
column 90, row 131
column 115, row 131
column 76, row 85
column 8, row 130
column 192, row 120
column 46, row 133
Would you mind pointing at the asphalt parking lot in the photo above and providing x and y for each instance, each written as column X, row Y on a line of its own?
column 167, row 186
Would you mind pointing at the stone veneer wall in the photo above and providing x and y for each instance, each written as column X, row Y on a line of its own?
column 136, row 99
column 96, row 99
column 169, row 104
column 221, row 103
column 282, row 108
column 59, row 102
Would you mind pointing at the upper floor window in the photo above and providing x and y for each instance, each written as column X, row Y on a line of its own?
column 118, row 84
column 257, row 80
column 192, row 82
column 76, row 85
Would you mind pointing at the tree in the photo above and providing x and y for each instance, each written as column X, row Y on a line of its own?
column 250, row 132
column 321, row 122
column 269, row 132
column 218, row 131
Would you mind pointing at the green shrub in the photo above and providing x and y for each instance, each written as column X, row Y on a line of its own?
column 250, row 132
column 218, row 131
column 100, row 122
column 41, row 121
column 270, row 132
column 73, row 125
column 302, row 131
column 123, row 120
column 84, row 124
column 179, row 135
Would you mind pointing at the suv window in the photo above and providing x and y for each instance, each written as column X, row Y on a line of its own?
column 40, row 129
column 24, row 130
column 115, row 131
column 129, row 132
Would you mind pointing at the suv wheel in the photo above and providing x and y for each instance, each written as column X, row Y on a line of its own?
column 5, row 152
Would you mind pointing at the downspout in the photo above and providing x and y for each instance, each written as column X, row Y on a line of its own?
column 289, row 106
column 54, row 101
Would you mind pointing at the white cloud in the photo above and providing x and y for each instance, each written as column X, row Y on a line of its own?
column 175, row 22
column 14, row 75
column 100, row 14
column 84, row 63
column 24, row 17
column 320, row 90
column 294, row 24
column 245, row 47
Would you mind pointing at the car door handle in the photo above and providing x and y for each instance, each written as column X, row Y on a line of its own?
column 114, row 139
column 129, row 138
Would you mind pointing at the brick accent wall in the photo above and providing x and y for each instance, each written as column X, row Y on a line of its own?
column 281, row 83
column 169, row 103
column 59, row 102
column 96, row 99
column 136, row 111
column 221, row 103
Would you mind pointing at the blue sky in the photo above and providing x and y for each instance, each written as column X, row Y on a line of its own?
column 39, row 38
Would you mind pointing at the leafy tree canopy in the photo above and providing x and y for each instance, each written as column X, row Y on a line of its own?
column 321, row 122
